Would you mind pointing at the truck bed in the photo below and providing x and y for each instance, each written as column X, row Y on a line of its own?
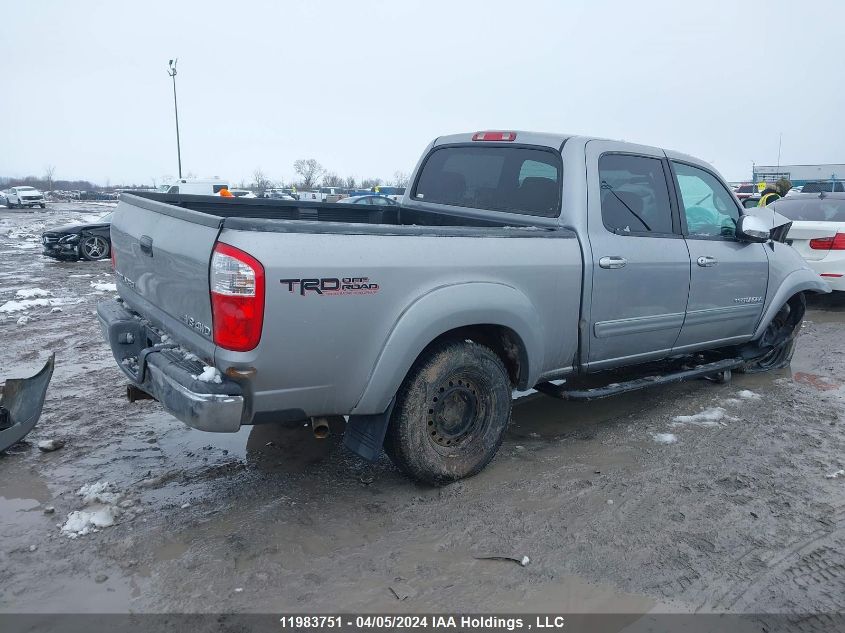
column 319, row 217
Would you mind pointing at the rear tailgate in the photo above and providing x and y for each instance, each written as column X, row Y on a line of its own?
column 162, row 254
column 803, row 231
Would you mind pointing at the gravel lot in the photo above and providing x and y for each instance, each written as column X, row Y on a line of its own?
column 620, row 506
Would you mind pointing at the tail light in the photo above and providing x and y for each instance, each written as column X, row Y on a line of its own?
column 494, row 136
column 237, row 298
column 835, row 243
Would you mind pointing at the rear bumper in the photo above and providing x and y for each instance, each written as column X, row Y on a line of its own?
column 833, row 264
column 163, row 371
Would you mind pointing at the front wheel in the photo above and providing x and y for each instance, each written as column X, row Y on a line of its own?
column 94, row 247
column 43, row 206
column 777, row 345
column 451, row 413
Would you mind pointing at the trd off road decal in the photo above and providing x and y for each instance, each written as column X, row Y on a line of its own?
column 332, row 286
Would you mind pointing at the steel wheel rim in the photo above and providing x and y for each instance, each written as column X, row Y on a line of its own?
column 456, row 413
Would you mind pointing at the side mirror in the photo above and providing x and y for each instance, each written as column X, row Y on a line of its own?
column 753, row 229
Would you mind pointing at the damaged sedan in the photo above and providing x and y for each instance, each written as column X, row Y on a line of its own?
column 90, row 241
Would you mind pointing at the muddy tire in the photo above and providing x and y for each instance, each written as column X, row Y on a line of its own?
column 451, row 413
column 777, row 344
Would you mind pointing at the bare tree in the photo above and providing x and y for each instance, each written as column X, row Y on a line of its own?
column 350, row 183
column 309, row 170
column 369, row 183
column 400, row 179
column 49, row 172
column 260, row 181
column 331, row 179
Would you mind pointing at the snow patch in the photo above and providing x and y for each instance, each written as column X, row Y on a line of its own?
column 19, row 306
column 836, row 475
column 209, row 374
column 101, row 286
column 665, row 438
column 712, row 416
column 100, row 492
column 745, row 394
column 23, row 320
column 29, row 293
column 83, row 522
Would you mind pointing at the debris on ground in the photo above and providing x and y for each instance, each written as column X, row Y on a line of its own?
column 402, row 590
column 47, row 446
column 523, row 561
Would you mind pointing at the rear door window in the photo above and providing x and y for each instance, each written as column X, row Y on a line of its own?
column 513, row 179
column 634, row 195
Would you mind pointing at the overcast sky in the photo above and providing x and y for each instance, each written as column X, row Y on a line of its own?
column 362, row 86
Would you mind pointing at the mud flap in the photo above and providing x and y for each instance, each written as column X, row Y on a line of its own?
column 364, row 434
column 21, row 403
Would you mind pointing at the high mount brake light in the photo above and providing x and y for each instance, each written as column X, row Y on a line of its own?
column 237, row 298
column 835, row 243
column 494, row 136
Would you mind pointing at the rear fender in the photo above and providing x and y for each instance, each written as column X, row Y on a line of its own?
column 444, row 309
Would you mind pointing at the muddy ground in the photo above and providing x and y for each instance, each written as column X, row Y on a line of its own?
column 741, row 513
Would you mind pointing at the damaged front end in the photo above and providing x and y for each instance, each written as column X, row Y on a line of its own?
column 21, row 402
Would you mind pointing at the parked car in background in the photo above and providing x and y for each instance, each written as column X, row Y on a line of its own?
column 312, row 196
column 374, row 199
column 195, row 186
column 3, row 199
column 745, row 190
column 242, row 193
column 830, row 186
column 394, row 193
column 795, row 190
column 90, row 241
column 331, row 194
column 278, row 194
column 18, row 197
column 818, row 232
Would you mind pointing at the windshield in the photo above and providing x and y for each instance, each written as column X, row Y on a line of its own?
column 25, row 188
column 163, row 188
column 514, row 179
column 813, row 210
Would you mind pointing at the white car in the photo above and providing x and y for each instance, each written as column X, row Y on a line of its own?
column 24, row 197
column 242, row 193
column 818, row 232
column 195, row 186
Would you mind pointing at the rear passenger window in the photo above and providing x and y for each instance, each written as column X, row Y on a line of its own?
column 514, row 179
column 634, row 195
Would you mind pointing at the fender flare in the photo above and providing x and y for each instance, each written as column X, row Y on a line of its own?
column 443, row 309
column 797, row 281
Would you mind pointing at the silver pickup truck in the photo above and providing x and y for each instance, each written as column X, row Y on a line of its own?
column 581, row 267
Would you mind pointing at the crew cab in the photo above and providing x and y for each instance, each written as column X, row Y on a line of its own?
column 24, row 197
column 571, row 264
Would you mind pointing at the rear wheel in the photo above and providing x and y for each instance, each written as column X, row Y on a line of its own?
column 777, row 345
column 43, row 206
column 94, row 247
column 451, row 413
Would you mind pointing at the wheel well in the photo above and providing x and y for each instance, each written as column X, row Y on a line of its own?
column 502, row 340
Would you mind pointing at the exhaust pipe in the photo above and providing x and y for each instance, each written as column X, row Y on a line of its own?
column 321, row 428
column 133, row 394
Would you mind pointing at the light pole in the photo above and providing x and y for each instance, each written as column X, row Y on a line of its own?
column 172, row 72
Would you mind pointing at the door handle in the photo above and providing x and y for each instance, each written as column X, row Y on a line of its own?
column 706, row 261
column 613, row 261
column 146, row 243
